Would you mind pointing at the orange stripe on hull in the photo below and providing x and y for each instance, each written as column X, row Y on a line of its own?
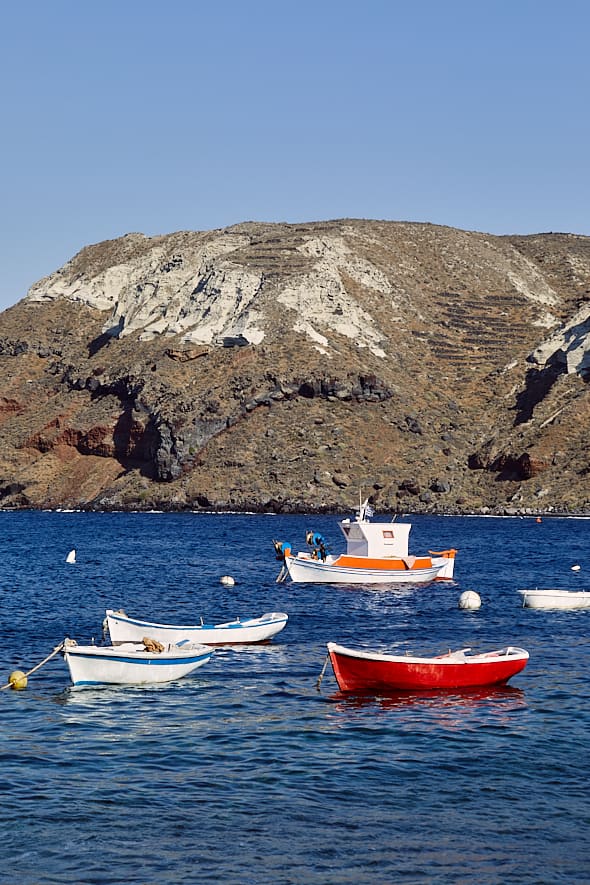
column 393, row 564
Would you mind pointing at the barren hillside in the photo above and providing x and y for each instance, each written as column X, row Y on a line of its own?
column 273, row 366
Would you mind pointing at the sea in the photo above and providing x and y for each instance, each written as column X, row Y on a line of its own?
column 247, row 771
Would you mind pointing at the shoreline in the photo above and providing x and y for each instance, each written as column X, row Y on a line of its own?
column 292, row 510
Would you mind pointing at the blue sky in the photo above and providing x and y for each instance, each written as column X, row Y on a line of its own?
column 155, row 117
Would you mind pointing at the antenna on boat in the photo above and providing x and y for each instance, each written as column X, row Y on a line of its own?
column 365, row 510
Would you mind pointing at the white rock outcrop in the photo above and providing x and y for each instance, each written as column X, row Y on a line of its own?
column 331, row 308
column 322, row 281
column 569, row 346
column 200, row 286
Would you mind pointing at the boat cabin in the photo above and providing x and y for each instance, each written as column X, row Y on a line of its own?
column 376, row 539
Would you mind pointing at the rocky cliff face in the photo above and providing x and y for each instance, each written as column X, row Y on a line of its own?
column 270, row 366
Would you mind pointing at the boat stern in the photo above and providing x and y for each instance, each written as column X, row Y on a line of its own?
column 446, row 560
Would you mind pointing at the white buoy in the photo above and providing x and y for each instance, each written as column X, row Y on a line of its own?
column 576, row 568
column 71, row 557
column 470, row 600
column 227, row 581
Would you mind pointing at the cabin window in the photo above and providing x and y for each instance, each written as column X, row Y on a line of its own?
column 387, row 533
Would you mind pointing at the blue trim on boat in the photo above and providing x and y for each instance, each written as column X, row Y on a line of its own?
column 157, row 660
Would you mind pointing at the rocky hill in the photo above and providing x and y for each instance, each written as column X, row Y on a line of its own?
column 285, row 367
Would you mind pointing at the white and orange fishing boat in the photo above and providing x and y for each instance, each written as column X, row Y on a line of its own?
column 376, row 553
column 364, row 671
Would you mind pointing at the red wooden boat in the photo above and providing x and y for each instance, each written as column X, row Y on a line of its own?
column 360, row 670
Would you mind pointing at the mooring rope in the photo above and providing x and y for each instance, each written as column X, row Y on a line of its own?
column 321, row 676
column 55, row 651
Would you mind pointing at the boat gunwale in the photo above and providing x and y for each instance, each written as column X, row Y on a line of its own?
column 139, row 657
column 559, row 594
column 513, row 653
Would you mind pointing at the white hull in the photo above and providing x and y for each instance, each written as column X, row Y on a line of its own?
column 131, row 664
column 125, row 629
column 446, row 567
column 565, row 600
column 304, row 570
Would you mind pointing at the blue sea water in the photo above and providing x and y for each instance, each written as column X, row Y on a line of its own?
column 244, row 772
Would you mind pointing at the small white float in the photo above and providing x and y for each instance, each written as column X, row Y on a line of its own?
column 470, row 600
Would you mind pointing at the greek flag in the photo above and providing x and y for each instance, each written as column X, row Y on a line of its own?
column 369, row 512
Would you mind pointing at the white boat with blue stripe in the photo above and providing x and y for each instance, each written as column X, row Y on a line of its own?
column 132, row 663
column 125, row 629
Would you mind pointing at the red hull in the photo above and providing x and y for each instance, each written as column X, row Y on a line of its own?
column 363, row 674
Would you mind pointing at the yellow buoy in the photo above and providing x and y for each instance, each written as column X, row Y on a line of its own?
column 17, row 680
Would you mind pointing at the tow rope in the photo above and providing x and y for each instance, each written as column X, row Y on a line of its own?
column 18, row 679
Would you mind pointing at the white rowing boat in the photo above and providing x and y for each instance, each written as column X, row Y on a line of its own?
column 131, row 663
column 566, row 600
column 122, row 628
